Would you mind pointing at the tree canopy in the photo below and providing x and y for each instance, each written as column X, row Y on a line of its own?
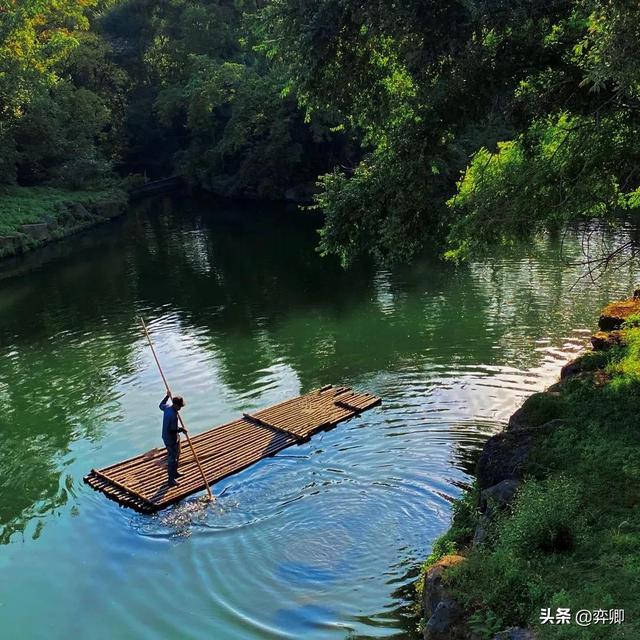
column 455, row 124
column 482, row 121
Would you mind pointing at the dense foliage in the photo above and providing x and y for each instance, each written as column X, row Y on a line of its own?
column 463, row 122
column 55, row 116
column 536, row 103
column 155, row 89
column 206, row 105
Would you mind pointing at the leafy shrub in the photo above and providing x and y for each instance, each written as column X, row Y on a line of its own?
column 594, row 360
column 465, row 515
column 632, row 321
column 500, row 582
column 626, row 359
column 465, row 518
column 545, row 518
column 485, row 624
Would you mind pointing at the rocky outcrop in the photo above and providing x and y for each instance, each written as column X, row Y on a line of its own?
column 78, row 211
column 614, row 314
column 10, row 245
column 492, row 501
column 537, row 410
column 603, row 340
column 505, row 456
column 434, row 591
column 444, row 616
column 108, row 209
column 447, row 623
column 498, row 496
column 39, row 232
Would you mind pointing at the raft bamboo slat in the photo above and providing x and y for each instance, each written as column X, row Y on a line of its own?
column 141, row 482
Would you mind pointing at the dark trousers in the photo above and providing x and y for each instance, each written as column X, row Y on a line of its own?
column 173, row 457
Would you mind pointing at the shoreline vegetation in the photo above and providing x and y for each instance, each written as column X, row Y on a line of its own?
column 31, row 217
column 551, row 522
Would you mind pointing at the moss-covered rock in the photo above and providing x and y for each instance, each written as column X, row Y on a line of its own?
column 537, row 410
column 10, row 245
column 444, row 616
column 603, row 340
column 614, row 314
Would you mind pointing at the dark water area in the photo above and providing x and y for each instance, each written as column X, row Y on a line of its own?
column 324, row 539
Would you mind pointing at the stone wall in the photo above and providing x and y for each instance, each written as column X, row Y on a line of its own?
column 65, row 220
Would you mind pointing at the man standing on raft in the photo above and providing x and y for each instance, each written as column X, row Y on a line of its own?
column 171, row 434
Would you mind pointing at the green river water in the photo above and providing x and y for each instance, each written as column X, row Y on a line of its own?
column 324, row 539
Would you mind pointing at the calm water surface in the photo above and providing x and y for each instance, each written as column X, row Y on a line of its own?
column 321, row 541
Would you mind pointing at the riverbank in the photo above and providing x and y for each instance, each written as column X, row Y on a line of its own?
column 551, row 526
column 31, row 217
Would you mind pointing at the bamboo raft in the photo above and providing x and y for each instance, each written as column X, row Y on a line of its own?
column 141, row 482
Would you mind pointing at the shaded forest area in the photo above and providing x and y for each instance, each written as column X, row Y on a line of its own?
column 466, row 122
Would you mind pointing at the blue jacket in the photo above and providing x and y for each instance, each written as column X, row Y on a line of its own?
column 169, row 422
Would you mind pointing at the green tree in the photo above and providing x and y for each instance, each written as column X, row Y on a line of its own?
column 577, row 155
column 207, row 105
column 59, row 95
column 35, row 36
column 538, row 99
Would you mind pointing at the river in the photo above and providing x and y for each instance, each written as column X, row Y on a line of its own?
column 321, row 541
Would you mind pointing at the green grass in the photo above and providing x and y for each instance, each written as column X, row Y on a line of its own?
column 572, row 536
column 26, row 205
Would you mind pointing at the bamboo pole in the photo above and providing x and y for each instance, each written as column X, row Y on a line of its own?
column 182, row 424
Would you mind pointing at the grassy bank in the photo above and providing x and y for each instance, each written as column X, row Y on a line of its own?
column 571, row 537
column 63, row 211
